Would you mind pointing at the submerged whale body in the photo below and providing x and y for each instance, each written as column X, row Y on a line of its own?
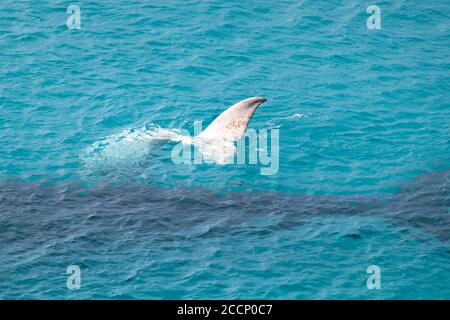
column 421, row 204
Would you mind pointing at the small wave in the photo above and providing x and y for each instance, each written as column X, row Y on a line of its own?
column 296, row 116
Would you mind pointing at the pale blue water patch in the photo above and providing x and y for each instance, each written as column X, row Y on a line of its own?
column 361, row 113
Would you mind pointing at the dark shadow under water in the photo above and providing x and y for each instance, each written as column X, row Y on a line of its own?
column 35, row 215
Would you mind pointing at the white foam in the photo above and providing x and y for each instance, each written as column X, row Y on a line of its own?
column 129, row 145
column 132, row 145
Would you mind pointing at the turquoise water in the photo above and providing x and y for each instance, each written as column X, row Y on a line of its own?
column 364, row 175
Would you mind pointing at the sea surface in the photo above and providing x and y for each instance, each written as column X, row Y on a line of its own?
column 364, row 150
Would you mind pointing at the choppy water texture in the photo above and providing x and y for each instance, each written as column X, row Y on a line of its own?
column 364, row 150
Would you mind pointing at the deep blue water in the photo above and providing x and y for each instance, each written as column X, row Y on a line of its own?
column 364, row 175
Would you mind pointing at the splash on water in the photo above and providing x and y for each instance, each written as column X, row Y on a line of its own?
column 129, row 146
column 132, row 145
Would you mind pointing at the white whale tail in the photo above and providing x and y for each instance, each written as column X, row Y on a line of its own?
column 215, row 142
column 231, row 124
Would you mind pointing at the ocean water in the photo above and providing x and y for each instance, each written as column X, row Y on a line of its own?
column 364, row 173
